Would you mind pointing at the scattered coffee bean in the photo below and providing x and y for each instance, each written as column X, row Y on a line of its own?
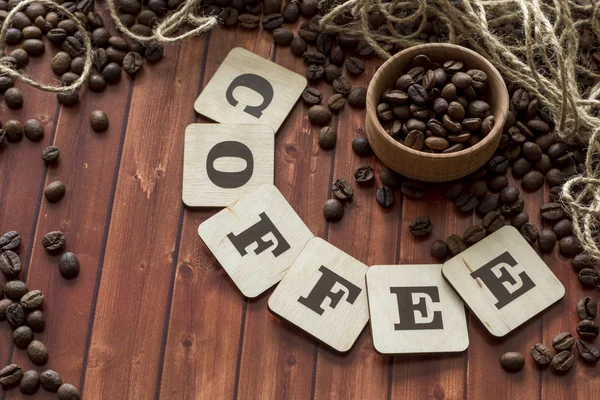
column 563, row 341
column 562, row 362
column 4, row 303
column 532, row 181
column 474, row 234
column 512, row 361
column 588, row 351
column 10, row 265
column 14, row 130
column 552, row 212
column 53, row 240
column 13, row 98
column 22, row 336
column 420, row 226
column 35, row 320
column 412, row 188
column 589, row 277
column 570, row 246
column 342, row 190
column 466, row 202
column 455, row 190
column 336, row 102
column 563, row 228
column 68, row 392
column 385, row 197
column 547, row 241
column 327, row 138
column 30, row 382
column 15, row 315
column 68, row 265
column 50, row 154
column 99, row 121
column 391, row 178
column 487, row 204
column 455, row 244
column 312, row 96
column 10, row 375
column 439, row 250
column 357, row 97
column 541, row 354
column 55, row 191
column 364, row 174
column 32, row 300
column 14, row 290
column 50, row 380
column 319, row 115
column 588, row 329
column 38, row 353
column 362, row 147
column 587, row 308
column 492, row 221
column 530, row 232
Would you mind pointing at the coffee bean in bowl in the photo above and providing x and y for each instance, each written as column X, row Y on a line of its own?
column 437, row 120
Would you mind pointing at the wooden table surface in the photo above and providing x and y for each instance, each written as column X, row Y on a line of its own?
column 153, row 315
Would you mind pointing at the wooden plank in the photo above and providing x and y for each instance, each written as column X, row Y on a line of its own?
column 141, row 251
column 271, row 346
column 81, row 215
column 436, row 375
column 582, row 381
column 370, row 234
column 22, row 170
column 206, row 310
column 485, row 350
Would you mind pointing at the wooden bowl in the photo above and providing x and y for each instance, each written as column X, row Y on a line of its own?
column 434, row 167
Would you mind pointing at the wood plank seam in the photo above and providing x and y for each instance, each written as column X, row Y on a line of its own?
column 105, row 239
column 177, row 249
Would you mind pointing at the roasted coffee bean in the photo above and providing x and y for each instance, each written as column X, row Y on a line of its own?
column 519, row 220
column 309, row 8
column 10, row 264
column 588, row 329
column 14, row 130
column 291, row 12
column 455, row 244
column 355, row 66
column 562, row 362
column 298, row 46
column 154, row 52
column 543, row 165
column 555, row 194
column 15, row 289
column 13, row 98
column 474, row 234
column 53, row 240
column 390, row 178
column 132, row 63
column 570, row 246
column 417, row 94
column 497, row 183
column 68, row 392
column 38, row 354
column 35, row 320
column 588, row 351
column 357, row 97
column 312, row 96
column 314, row 57
column 33, row 47
column 557, row 150
column 587, row 308
column 552, row 212
column 72, row 46
column 362, row 147
column 521, row 167
column 563, row 341
column 342, row 85
column 50, row 380
column 385, row 197
column 563, row 228
column 513, row 208
column 487, row 204
column 414, row 140
column 412, row 188
column 589, row 277
column 520, row 99
column 336, row 102
column 478, row 109
column 420, row 226
column 319, row 115
column 466, row 202
column 50, row 154
column 248, row 21
column 532, row 181
column 492, row 221
column 111, row 72
column 541, row 354
column 581, row 261
column 30, row 382
column 10, row 241
column 68, row 265
column 272, row 21
column 512, row 361
column 555, row 177
column 547, row 241
column 55, row 191
column 439, row 250
column 530, row 232
column 327, row 138
column 10, row 375
column 437, row 143
column 342, row 190
column 455, row 190
column 531, row 151
column 15, row 315
column 68, row 99
column 478, row 188
column 283, row 37
column 364, row 174
column 32, row 300
column 33, row 130
column 22, row 336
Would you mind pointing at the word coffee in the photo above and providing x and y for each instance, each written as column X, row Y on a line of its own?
column 248, row 89
column 503, row 281
column 256, row 239
column 414, row 310
column 223, row 162
column 324, row 294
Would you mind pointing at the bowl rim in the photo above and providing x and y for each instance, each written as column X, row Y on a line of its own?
column 502, row 93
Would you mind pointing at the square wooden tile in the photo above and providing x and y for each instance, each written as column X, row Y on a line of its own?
column 414, row 310
column 503, row 281
column 256, row 239
column 223, row 162
column 248, row 89
column 324, row 294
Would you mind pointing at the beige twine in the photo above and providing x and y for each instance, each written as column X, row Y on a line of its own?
column 545, row 64
column 171, row 23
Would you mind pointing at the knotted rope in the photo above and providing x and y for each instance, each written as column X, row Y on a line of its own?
column 184, row 16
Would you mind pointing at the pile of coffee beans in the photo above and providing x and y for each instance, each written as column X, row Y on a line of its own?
column 437, row 107
column 21, row 308
column 36, row 26
column 563, row 360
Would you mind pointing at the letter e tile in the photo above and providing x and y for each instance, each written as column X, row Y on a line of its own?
column 414, row 310
column 324, row 294
column 503, row 281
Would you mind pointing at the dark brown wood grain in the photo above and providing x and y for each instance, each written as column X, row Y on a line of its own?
column 153, row 315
